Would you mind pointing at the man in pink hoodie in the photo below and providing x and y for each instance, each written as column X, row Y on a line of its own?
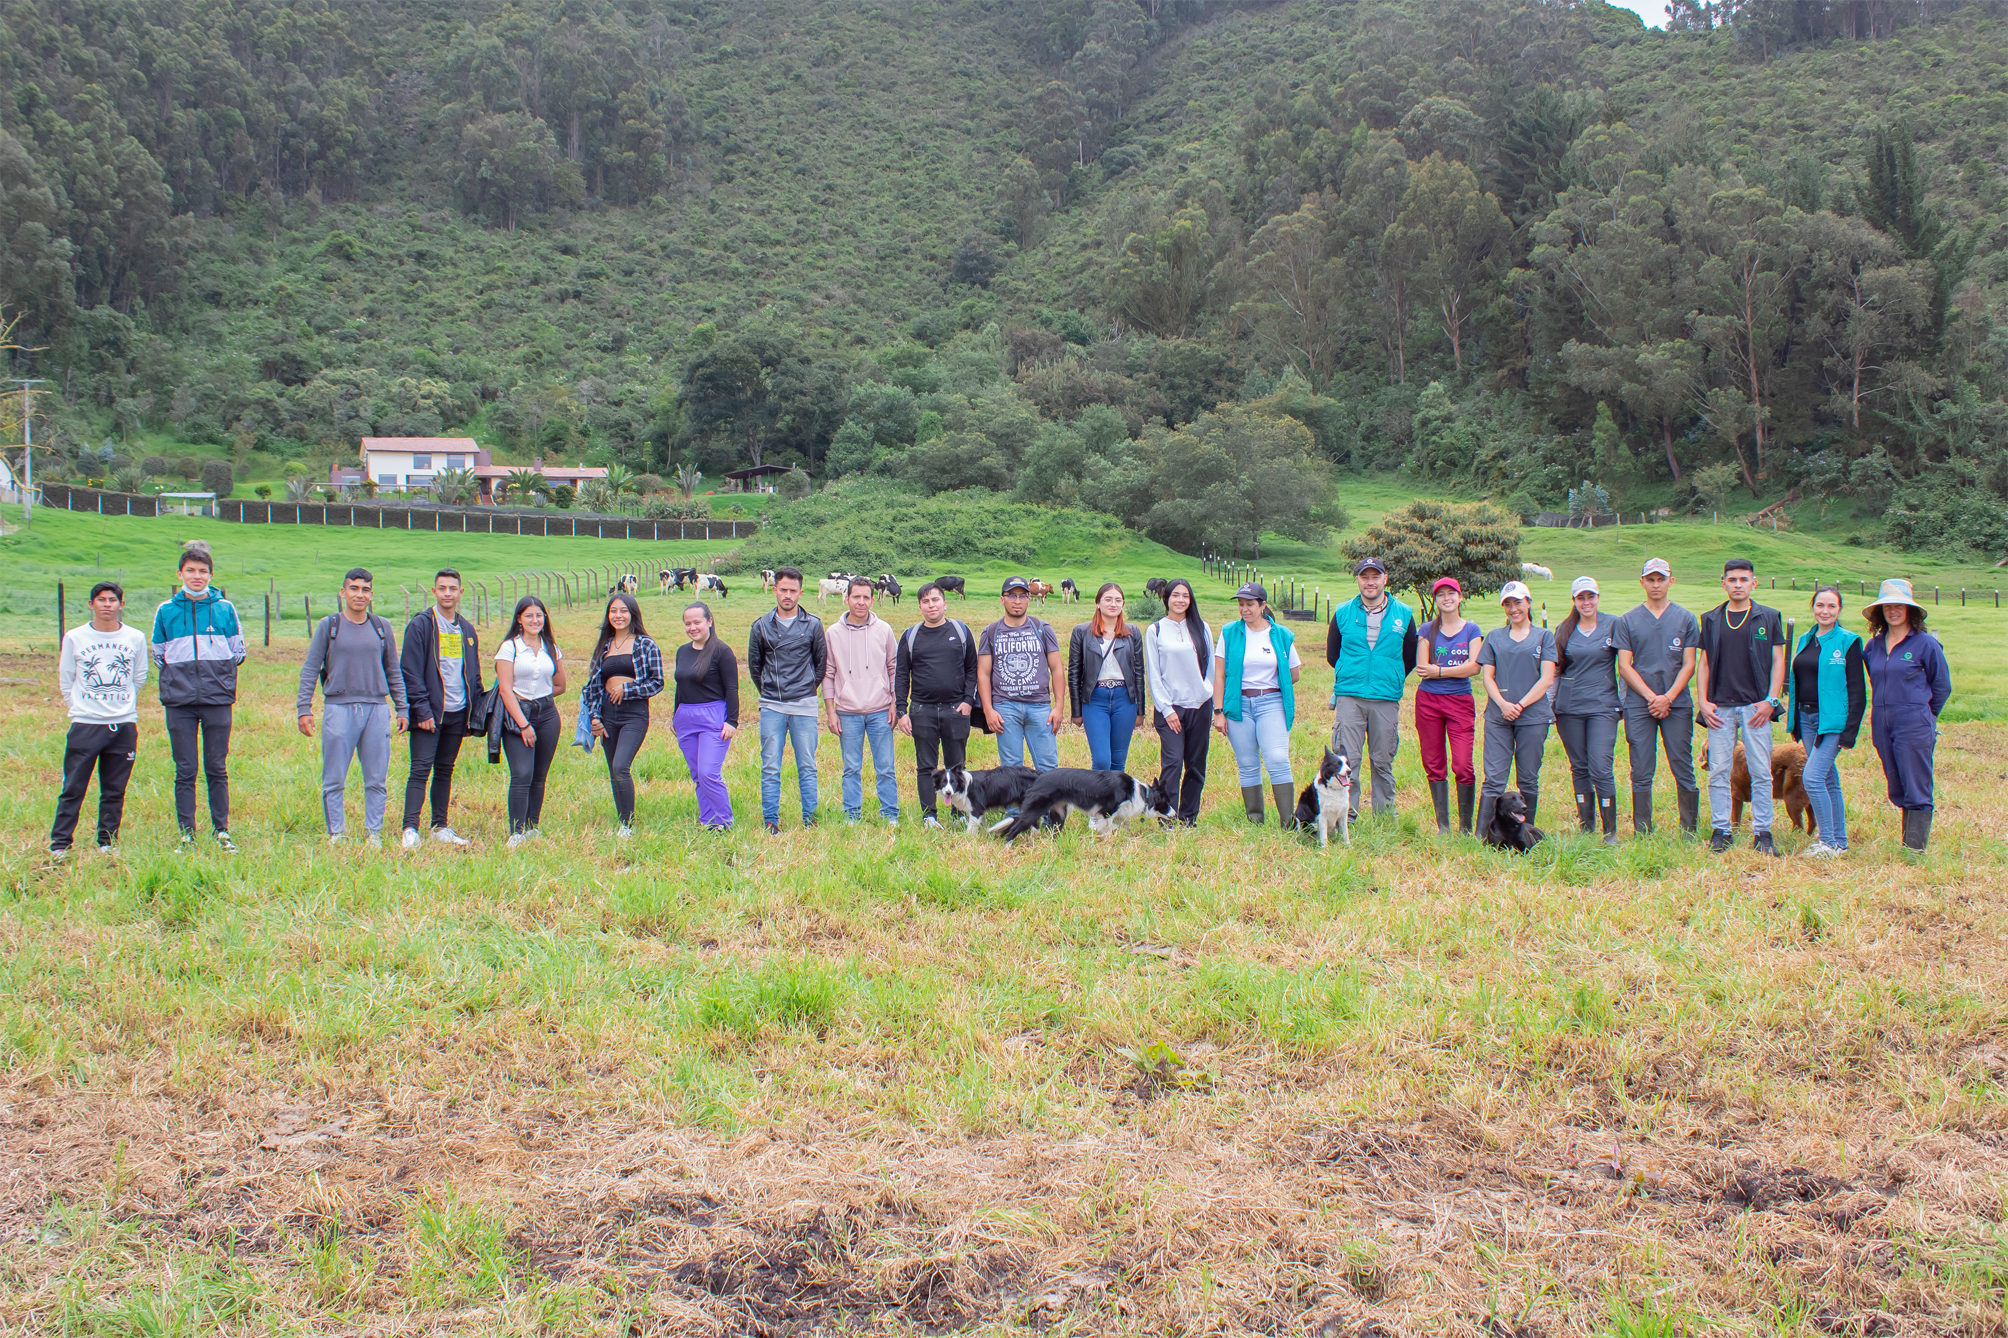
column 857, row 695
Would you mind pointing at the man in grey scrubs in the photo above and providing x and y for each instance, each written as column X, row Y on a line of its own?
column 1656, row 645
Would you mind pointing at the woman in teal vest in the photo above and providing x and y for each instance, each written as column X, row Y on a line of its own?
column 1255, row 702
column 1830, row 691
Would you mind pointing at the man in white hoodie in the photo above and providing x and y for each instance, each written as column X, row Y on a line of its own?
column 102, row 666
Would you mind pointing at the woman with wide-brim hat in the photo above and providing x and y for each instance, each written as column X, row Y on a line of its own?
column 1909, row 683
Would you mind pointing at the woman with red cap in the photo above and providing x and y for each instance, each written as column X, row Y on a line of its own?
column 1445, row 709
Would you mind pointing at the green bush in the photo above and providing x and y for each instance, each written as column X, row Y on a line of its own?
column 563, row 496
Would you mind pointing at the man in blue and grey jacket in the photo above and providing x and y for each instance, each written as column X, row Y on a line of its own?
column 786, row 653
column 197, row 646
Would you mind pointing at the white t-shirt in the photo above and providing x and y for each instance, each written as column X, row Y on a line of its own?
column 1258, row 660
column 1112, row 661
column 534, row 667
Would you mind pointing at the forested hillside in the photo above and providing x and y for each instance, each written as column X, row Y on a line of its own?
column 1184, row 261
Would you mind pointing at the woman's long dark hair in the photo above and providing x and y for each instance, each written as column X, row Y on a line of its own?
column 607, row 627
column 516, row 624
column 702, row 664
column 1879, row 625
column 1195, row 626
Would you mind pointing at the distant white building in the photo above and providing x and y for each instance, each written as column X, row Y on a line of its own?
column 409, row 464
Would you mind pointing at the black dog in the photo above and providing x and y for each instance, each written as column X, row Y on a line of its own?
column 974, row 793
column 1327, row 802
column 951, row 585
column 1510, row 828
column 1106, row 797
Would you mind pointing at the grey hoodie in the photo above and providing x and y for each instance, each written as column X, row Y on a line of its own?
column 361, row 664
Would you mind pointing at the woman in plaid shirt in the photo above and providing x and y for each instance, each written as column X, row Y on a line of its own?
column 627, row 671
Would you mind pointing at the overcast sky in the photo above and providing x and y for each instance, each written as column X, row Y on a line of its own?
column 1652, row 11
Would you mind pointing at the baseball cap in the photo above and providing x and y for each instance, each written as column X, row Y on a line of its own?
column 1442, row 581
column 1370, row 564
column 1655, row 567
column 1014, row 583
column 1582, row 584
column 1252, row 590
column 1515, row 590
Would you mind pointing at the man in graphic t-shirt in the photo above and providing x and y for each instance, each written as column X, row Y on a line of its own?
column 1021, row 681
column 99, row 671
column 1741, row 675
column 441, row 668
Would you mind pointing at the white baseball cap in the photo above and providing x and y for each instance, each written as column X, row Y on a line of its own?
column 1515, row 590
column 1583, row 583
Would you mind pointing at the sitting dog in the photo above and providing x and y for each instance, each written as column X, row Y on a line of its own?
column 1327, row 801
column 1106, row 797
column 1788, row 785
column 974, row 793
column 1509, row 828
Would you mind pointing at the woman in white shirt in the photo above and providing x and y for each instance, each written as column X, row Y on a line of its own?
column 1255, row 702
column 1105, row 679
column 1177, row 660
column 529, row 669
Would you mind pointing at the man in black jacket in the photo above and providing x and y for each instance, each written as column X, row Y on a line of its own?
column 786, row 654
column 934, row 691
column 441, row 667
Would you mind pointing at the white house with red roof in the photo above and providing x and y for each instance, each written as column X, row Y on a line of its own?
column 409, row 464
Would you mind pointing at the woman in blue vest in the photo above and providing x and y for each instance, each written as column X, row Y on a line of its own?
column 1911, row 683
column 1829, row 694
column 1255, row 702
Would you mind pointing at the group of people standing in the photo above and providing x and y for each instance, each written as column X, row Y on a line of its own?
column 938, row 681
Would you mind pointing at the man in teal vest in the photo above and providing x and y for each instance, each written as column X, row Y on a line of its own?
column 1371, row 648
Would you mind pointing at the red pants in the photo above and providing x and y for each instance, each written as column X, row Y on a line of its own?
column 1438, row 715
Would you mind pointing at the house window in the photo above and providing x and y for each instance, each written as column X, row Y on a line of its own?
column 386, row 480
column 421, row 462
column 419, row 481
column 456, row 462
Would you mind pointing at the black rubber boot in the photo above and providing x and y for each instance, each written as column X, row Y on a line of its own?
column 1916, row 828
column 1607, row 806
column 1690, row 811
column 1439, row 792
column 1533, row 798
column 1286, row 805
column 1466, row 794
column 1586, row 812
column 1488, row 804
column 1642, row 811
column 1251, row 799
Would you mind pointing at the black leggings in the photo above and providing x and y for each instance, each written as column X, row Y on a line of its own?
column 626, row 724
column 529, row 765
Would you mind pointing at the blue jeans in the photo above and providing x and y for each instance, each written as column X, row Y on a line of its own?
column 1822, row 779
column 1025, row 725
column 776, row 732
column 1722, row 755
column 1260, row 740
column 855, row 729
column 1107, row 717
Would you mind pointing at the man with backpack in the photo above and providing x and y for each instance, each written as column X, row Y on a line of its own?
column 934, row 691
column 786, row 653
column 353, row 656
column 197, row 646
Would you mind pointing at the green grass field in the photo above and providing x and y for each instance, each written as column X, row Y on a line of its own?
column 882, row 1080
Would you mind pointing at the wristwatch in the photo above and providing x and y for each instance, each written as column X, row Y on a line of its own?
column 1777, row 705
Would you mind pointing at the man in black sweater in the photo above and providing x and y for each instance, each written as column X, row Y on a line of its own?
column 933, row 692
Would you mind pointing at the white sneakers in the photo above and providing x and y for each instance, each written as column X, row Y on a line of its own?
column 1819, row 850
column 516, row 839
column 447, row 836
column 411, row 838
column 626, row 833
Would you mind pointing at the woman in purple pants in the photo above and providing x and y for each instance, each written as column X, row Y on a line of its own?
column 707, row 713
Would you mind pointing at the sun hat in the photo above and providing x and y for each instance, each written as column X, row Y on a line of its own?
column 1655, row 567
column 1583, row 585
column 1442, row 581
column 1252, row 590
column 1369, row 564
column 1893, row 591
column 1516, row 590
column 1012, row 583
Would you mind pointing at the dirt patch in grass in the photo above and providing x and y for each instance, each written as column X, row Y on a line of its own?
column 1207, row 1213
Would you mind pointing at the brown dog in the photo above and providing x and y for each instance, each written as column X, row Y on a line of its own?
column 1788, row 786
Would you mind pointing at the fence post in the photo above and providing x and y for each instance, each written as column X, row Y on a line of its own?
column 268, row 620
column 1934, row 594
column 61, row 630
column 307, row 603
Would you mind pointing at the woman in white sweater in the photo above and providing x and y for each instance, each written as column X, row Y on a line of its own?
column 1177, row 660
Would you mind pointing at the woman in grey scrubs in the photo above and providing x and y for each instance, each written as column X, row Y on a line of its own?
column 1518, row 664
column 1586, row 706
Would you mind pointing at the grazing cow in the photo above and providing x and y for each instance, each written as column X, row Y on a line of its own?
column 887, row 585
column 1536, row 569
column 767, row 579
column 951, row 585
column 706, row 583
column 1069, row 592
column 839, row 586
column 1040, row 589
column 666, row 576
column 1158, row 588
column 626, row 585
column 675, row 578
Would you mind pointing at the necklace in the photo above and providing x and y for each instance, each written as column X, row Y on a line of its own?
column 1736, row 627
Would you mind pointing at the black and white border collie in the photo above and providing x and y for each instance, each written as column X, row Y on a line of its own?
column 1105, row 797
column 1327, row 801
column 1510, row 828
column 974, row 793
